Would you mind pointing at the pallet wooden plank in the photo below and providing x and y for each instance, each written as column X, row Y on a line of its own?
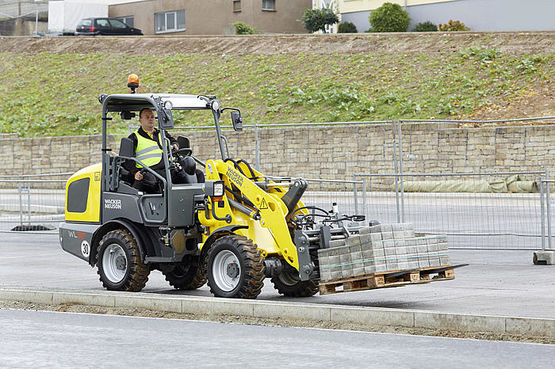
column 386, row 280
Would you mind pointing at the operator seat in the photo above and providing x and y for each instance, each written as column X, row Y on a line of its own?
column 192, row 174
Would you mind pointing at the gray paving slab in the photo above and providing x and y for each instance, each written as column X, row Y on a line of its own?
column 495, row 283
column 34, row 339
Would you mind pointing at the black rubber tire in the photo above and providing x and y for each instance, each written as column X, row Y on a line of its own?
column 251, row 279
column 136, row 273
column 288, row 284
column 188, row 275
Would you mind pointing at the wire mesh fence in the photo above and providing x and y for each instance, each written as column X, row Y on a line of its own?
column 475, row 210
column 32, row 202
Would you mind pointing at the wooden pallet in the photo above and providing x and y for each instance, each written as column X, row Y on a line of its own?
column 387, row 279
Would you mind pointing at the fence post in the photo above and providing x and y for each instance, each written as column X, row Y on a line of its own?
column 396, row 170
column 355, row 192
column 256, row 147
column 542, row 212
column 400, row 156
column 28, row 201
column 20, row 203
column 548, row 208
column 364, row 208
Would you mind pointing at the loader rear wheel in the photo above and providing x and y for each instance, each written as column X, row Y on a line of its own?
column 119, row 263
column 289, row 284
column 188, row 275
column 235, row 268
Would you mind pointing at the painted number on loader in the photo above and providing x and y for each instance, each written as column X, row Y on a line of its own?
column 85, row 249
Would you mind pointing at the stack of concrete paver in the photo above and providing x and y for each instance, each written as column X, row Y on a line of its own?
column 381, row 248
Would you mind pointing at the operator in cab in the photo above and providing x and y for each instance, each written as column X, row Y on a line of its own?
column 147, row 144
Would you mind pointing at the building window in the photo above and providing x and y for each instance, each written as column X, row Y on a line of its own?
column 268, row 4
column 130, row 20
column 173, row 21
column 236, row 5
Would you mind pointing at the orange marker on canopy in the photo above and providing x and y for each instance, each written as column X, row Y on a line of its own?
column 133, row 82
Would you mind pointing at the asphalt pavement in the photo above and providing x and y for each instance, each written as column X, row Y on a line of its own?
column 35, row 339
column 495, row 283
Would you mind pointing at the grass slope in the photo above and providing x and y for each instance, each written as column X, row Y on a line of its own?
column 56, row 94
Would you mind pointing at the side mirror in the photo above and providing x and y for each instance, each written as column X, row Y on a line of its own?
column 237, row 120
column 126, row 115
column 126, row 147
column 165, row 118
column 183, row 142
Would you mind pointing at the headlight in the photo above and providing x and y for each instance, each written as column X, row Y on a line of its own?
column 215, row 105
column 218, row 189
column 168, row 105
column 214, row 188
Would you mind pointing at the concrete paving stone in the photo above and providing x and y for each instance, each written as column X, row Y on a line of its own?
column 373, row 317
column 323, row 260
column 390, row 251
column 364, row 230
column 360, row 270
column 531, row 326
column 147, row 302
column 398, row 235
column 353, row 240
column 370, row 268
column 85, row 299
column 337, row 243
column 469, row 323
column 334, row 260
column 387, row 235
column 292, row 311
column 345, row 258
column 356, row 256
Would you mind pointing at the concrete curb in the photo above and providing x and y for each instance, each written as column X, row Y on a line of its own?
column 537, row 327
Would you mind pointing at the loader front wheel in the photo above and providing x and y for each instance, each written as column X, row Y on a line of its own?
column 119, row 263
column 289, row 284
column 235, row 268
column 187, row 275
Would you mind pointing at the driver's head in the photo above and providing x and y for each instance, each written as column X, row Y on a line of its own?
column 146, row 118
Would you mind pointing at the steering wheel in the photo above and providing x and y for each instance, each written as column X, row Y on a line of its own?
column 186, row 151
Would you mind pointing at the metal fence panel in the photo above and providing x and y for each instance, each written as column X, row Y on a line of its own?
column 32, row 200
column 471, row 220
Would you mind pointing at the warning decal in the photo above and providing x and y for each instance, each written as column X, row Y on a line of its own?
column 263, row 204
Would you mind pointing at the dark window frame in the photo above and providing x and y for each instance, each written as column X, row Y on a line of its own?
column 272, row 9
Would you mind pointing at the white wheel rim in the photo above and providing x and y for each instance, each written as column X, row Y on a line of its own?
column 114, row 263
column 226, row 270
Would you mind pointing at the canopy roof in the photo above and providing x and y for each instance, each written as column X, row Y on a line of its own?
column 136, row 102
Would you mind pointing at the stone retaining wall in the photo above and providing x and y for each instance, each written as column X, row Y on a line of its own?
column 321, row 152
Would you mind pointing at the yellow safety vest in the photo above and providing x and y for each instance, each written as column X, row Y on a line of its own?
column 147, row 151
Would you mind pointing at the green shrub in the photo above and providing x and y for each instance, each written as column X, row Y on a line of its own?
column 243, row 28
column 347, row 27
column 425, row 27
column 389, row 18
column 317, row 19
column 453, row 26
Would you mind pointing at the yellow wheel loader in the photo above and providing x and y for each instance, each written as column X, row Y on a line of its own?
column 232, row 227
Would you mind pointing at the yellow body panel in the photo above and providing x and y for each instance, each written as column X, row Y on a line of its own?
column 270, row 233
column 92, row 211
